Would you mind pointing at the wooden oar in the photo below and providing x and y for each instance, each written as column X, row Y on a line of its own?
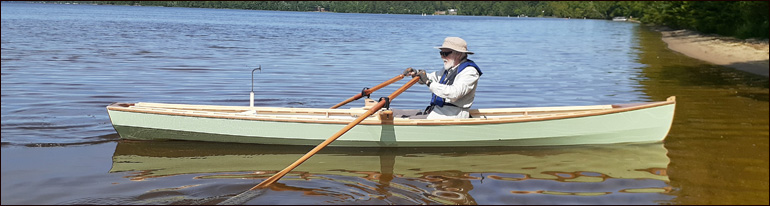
column 251, row 193
column 369, row 91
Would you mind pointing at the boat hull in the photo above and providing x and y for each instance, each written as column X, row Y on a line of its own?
column 648, row 124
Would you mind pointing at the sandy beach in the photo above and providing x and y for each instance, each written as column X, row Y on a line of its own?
column 749, row 55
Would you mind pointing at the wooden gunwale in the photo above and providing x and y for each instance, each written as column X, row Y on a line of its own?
column 280, row 110
column 372, row 120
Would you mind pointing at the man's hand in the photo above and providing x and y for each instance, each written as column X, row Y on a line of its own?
column 423, row 77
column 409, row 72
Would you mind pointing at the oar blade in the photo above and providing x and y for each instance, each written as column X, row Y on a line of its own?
column 243, row 198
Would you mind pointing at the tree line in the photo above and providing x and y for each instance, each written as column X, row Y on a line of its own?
column 742, row 19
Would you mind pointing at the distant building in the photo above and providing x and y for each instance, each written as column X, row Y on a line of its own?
column 448, row 12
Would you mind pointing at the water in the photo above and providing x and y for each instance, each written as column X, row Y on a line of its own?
column 58, row 78
column 63, row 64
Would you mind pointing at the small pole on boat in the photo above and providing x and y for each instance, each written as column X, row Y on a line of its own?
column 251, row 99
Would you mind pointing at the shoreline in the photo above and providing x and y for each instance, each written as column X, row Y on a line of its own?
column 749, row 55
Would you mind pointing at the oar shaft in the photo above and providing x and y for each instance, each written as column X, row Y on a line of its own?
column 386, row 83
column 403, row 88
column 331, row 139
column 353, row 98
column 369, row 91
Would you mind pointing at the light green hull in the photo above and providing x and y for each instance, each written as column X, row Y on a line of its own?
column 649, row 124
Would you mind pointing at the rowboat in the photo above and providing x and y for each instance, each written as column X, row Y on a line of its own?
column 390, row 127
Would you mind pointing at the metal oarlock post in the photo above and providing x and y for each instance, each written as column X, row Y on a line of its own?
column 251, row 95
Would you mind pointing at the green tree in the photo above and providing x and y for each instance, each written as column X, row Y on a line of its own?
column 744, row 19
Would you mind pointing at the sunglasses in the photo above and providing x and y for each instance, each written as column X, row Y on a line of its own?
column 444, row 54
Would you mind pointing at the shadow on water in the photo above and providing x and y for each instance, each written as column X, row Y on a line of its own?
column 757, row 67
column 711, row 75
column 718, row 77
column 595, row 174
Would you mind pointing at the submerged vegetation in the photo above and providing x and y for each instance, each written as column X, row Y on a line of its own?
column 742, row 19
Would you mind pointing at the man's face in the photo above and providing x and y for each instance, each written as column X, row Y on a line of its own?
column 449, row 57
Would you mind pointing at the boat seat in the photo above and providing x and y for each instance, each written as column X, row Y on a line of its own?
column 409, row 113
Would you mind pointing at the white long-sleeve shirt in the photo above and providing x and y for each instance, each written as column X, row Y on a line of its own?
column 460, row 93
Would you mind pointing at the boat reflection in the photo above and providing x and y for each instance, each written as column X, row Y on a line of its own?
column 417, row 175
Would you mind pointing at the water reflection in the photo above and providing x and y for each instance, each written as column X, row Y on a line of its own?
column 603, row 174
column 719, row 138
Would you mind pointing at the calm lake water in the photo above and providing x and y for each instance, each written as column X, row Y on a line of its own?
column 63, row 64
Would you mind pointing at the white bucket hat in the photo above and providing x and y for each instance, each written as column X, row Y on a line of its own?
column 455, row 43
